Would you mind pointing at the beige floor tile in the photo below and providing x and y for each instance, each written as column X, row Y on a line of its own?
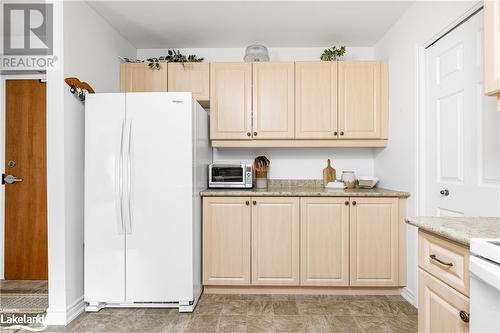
column 370, row 308
column 203, row 323
column 259, row 307
column 373, row 324
column 343, row 324
column 232, row 324
column 339, row 308
column 318, row 323
column 259, row 324
column 403, row 307
column 235, row 307
column 285, row 308
column 290, row 323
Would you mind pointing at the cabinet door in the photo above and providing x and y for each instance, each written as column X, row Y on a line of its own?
column 138, row 77
column 275, row 241
column 192, row 77
column 316, row 100
column 439, row 306
column 492, row 49
column 363, row 99
column 273, row 100
column 226, row 241
column 374, row 242
column 230, row 101
column 324, row 240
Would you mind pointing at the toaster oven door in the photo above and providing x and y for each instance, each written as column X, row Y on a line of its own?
column 227, row 176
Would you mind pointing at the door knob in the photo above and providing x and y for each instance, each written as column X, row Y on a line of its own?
column 11, row 179
column 445, row 192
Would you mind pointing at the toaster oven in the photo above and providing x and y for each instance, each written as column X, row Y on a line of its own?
column 230, row 175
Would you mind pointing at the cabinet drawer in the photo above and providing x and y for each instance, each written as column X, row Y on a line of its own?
column 445, row 260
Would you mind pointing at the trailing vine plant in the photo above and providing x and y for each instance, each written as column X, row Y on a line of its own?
column 333, row 54
column 172, row 56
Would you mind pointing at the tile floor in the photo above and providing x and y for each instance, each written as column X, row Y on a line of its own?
column 260, row 313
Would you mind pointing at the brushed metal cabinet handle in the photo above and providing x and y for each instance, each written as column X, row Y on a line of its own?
column 434, row 257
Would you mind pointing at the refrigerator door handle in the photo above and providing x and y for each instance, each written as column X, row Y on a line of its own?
column 129, row 179
column 119, row 183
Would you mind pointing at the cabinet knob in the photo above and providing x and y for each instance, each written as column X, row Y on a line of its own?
column 346, row 203
column 444, row 192
column 247, row 203
column 354, row 203
column 335, row 133
column 254, row 133
column 464, row 316
column 254, row 202
column 341, row 133
column 249, row 134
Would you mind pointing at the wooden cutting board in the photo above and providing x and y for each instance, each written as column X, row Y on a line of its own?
column 329, row 174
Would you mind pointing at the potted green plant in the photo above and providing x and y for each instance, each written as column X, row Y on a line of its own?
column 333, row 54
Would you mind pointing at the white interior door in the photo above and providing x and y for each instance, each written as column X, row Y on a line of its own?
column 159, row 228
column 463, row 129
column 104, row 226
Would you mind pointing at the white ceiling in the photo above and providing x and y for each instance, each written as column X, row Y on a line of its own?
column 184, row 24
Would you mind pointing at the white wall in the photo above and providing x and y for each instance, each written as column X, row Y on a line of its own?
column 396, row 165
column 276, row 54
column 90, row 50
column 288, row 163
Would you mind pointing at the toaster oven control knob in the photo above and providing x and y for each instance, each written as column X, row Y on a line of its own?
column 249, row 174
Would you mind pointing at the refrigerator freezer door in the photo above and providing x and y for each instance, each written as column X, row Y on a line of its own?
column 104, row 227
column 159, row 250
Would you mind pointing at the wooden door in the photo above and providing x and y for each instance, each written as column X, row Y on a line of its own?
column 273, row 100
column 316, row 100
column 231, row 101
column 374, row 242
column 192, row 77
column 275, row 241
column 492, row 49
column 226, row 241
column 25, row 201
column 138, row 77
column 324, row 240
column 363, row 99
column 439, row 306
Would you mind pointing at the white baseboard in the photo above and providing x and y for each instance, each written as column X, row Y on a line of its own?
column 64, row 317
column 408, row 295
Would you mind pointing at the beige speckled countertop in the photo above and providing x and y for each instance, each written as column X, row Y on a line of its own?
column 459, row 229
column 301, row 188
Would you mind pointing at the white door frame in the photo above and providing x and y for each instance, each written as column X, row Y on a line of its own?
column 3, row 78
column 420, row 115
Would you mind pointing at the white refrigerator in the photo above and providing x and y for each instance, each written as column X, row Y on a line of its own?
column 146, row 157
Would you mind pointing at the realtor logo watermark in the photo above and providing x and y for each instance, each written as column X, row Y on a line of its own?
column 33, row 322
column 28, row 36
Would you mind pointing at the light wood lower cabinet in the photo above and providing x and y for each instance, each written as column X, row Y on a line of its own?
column 374, row 242
column 226, row 241
column 492, row 49
column 308, row 242
column 324, row 238
column 439, row 306
column 275, row 241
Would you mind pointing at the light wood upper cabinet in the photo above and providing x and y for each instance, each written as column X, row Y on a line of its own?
column 324, row 234
column 226, row 241
column 316, row 100
column 191, row 76
column 439, row 306
column 492, row 49
column 138, row 77
column 275, row 241
column 230, row 101
column 363, row 99
column 374, row 242
column 273, row 100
